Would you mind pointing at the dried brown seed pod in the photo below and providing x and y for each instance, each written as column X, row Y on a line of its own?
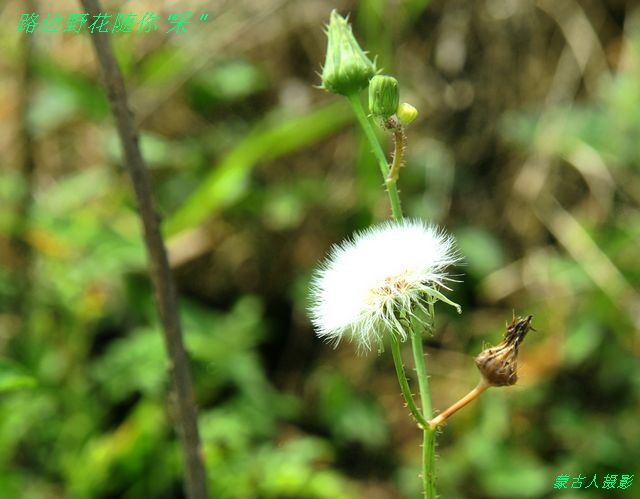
column 499, row 365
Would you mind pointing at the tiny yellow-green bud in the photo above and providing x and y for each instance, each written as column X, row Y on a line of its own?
column 347, row 69
column 383, row 96
column 406, row 113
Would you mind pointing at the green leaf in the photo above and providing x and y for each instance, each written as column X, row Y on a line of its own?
column 229, row 81
column 482, row 252
column 228, row 180
column 582, row 341
column 14, row 377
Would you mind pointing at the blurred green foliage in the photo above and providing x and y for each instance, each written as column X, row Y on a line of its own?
column 527, row 153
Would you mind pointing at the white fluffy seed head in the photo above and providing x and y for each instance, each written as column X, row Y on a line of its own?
column 364, row 285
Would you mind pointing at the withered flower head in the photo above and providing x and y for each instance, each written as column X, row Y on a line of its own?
column 499, row 365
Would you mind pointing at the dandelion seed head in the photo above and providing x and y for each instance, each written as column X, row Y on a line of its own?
column 358, row 291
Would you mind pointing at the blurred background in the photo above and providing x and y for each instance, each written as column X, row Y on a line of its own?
column 527, row 150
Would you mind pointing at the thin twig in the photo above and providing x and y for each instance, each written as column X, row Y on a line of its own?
column 469, row 397
column 428, row 433
column 365, row 124
column 21, row 249
column 399, row 141
column 404, row 384
column 196, row 484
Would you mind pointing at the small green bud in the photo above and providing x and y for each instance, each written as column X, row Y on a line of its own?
column 406, row 113
column 383, row 96
column 347, row 69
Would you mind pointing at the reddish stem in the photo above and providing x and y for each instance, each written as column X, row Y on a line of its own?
column 469, row 397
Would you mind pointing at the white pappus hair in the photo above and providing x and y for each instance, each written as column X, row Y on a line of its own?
column 365, row 282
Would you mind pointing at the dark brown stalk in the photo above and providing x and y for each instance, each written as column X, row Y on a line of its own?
column 165, row 294
column 21, row 250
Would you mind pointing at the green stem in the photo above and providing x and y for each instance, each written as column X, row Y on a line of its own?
column 404, row 384
column 421, row 369
column 429, row 463
column 394, row 198
column 428, row 437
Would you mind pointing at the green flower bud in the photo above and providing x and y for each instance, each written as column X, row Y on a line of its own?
column 347, row 69
column 406, row 113
column 383, row 96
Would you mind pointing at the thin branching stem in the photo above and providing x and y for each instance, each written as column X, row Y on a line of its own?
column 429, row 463
column 441, row 418
column 367, row 128
column 421, row 368
column 428, row 437
column 428, row 441
column 160, row 271
column 399, row 141
column 404, row 384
